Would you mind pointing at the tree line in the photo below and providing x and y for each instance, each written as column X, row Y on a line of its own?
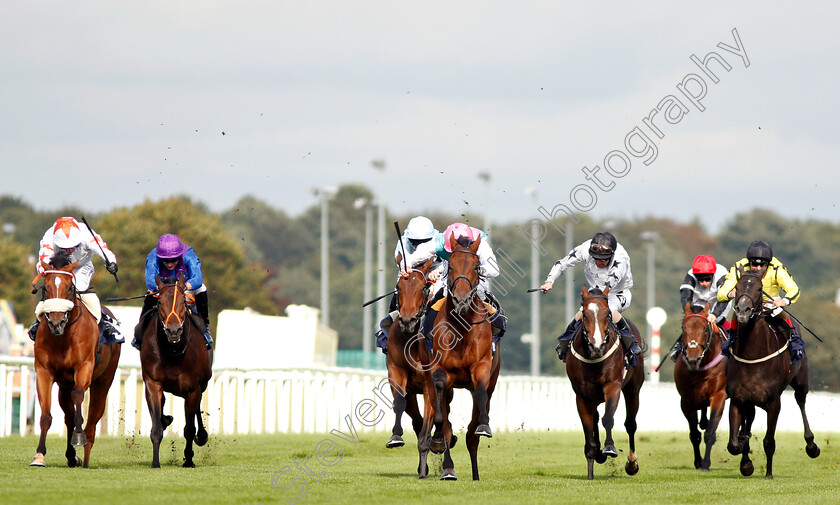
column 254, row 255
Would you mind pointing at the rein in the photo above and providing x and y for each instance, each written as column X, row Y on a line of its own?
column 757, row 310
column 711, row 330
column 184, row 323
column 74, row 294
column 473, row 287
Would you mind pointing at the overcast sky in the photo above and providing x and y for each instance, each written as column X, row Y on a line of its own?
column 105, row 104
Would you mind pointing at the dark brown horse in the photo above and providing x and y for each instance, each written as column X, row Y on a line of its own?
column 462, row 356
column 175, row 360
column 595, row 366
column 700, row 379
column 66, row 353
column 405, row 353
column 758, row 372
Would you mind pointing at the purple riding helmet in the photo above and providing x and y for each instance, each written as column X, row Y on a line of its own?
column 170, row 247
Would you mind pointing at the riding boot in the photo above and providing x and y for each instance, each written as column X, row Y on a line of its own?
column 627, row 338
column 797, row 346
column 676, row 350
column 33, row 330
column 384, row 330
column 728, row 342
column 149, row 303
column 108, row 330
column 564, row 339
column 204, row 311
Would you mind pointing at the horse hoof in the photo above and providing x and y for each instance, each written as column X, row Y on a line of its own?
column 454, row 441
column 396, row 441
column 437, row 446
column 813, row 451
column 610, row 451
column 38, row 460
column 632, row 468
column 189, row 464
column 448, row 475
column 165, row 421
column 747, row 469
column 704, row 469
column 201, row 438
column 483, row 430
column 78, row 439
column 600, row 458
column 733, row 450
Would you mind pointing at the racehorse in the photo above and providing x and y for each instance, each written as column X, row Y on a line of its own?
column 405, row 354
column 700, row 379
column 174, row 360
column 594, row 366
column 462, row 356
column 68, row 352
column 758, row 372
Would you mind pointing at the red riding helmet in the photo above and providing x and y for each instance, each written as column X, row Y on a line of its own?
column 704, row 264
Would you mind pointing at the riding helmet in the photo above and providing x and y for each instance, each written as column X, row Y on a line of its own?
column 170, row 247
column 704, row 264
column 66, row 233
column 603, row 245
column 420, row 228
column 760, row 250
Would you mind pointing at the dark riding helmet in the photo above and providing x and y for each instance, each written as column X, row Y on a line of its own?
column 603, row 245
column 759, row 252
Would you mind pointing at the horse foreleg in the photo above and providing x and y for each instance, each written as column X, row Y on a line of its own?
column 66, row 403
column 424, row 438
column 201, row 436
column 397, row 431
column 736, row 421
column 98, row 397
column 716, row 403
column 43, row 384
column 82, row 379
column 413, row 411
column 773, row 409
column 631, row 404
column 612, row 393
column 590, row 429
column 690, row 412
column 154, row 395
column 747, row 467
column 192, row 404
column 439, row 379
column 800, row 392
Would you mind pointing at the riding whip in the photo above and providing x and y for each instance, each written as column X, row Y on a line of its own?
column 667, row 355
column 795, row 319
column 129, row 297
column 399, row 239
column 107, row 262
column 379, row 298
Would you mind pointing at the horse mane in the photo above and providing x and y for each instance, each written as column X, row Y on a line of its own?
column 595, row 291
column 696, row 309
column 465, row 241
column 60, row 259
column 169, row 281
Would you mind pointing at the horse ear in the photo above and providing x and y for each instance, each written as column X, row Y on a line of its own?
column 70, row 268
column 453, row 242
column 706, row 309
column 606, row 291
column 158, row 281
column 181, row 279
column 584, row 293
column 688, row 307
column 399, row 258
column 474, row 246
column 425, row 267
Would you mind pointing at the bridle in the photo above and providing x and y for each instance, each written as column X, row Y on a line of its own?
column 172, row 313
column 451, row 282
column 425, row 296
column 610, row 328
column 73, row 297
column 693, row 344
column 755, row 305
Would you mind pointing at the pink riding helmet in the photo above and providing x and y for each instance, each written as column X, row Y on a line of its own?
column 459, row 230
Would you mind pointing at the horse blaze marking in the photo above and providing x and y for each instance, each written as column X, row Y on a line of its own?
column 597, row 337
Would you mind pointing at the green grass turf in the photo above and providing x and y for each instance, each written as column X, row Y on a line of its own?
column 515, row 467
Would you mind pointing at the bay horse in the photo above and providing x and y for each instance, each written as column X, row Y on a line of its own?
column 595, row 367
column 462, row 356
column 757, row 373
column 406, row 353
column 701, row 379
column 174, row 360
column 68, row 352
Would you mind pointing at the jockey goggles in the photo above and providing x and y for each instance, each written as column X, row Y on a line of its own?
column 703, row 277
column 758, row 262
column 601, row 249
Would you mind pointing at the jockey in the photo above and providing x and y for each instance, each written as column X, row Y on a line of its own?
column 773, row 276
column 420, row 230
column 606, row 263
column 700, row 287
column 488, row 268
column 170, row 259
column 81, row 244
